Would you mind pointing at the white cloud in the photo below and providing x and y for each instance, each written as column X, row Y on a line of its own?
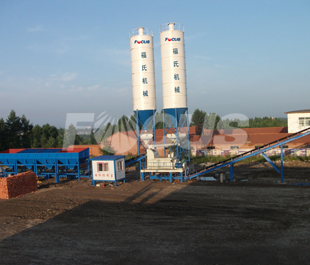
column 194, row 36
column 114, row 51
column 80, row 88
column 36, row 28
column 220, row 66
column 122, row 90
column 90, row 88
column 203, row 57
column 69, row 76
column 62, row 49
column 112, row 55
column 56, row 45
column 64, row 77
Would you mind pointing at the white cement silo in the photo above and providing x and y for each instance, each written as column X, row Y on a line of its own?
column 143, row 75
column 173, row 69
column 175, row 112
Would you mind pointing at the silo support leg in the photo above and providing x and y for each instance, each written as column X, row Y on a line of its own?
column 281, row 163
column 79, row 177
column 142, row 176
column 232, row 173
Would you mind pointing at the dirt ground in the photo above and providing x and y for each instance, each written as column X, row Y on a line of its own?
column 254, row 220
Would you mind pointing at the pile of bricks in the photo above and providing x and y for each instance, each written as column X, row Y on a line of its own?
column 17, row 185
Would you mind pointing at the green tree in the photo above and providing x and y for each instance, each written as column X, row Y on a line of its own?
column 36, row 136
column 51, row 143
column 198, row 118
column 60, row 137
column 91, row 139
column 17, row 131
column 2, row 135
column 43, row 141
column 159, row 121
column 123, row 124
column 49, row 131
column 103, row 132
column 13, row 130
column 113, row 129
column 267, row 122
column 46, row 130
column 26, row 134
column 211, row 121
column 78, row 140
column 53, row 131
column 69, row 136
column 132, row 122
column 106, row 148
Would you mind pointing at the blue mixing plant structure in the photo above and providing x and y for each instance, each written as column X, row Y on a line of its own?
column 176, row 129
column 145, row 119
column 47, row 162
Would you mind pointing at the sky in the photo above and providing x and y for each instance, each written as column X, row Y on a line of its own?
column 60, row 57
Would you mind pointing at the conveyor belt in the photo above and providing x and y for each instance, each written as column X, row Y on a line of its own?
column 253, row 152
column 134, row 160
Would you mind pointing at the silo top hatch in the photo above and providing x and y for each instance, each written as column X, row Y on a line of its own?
column 140, row 31
column 171, row 26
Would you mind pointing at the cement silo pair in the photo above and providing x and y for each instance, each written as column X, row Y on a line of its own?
column 173, row 85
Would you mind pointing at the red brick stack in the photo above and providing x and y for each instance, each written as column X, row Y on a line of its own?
column 17, row 185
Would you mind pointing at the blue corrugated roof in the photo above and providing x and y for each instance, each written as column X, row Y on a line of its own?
column 107, row 157
column 31, row 150
column 51, row 150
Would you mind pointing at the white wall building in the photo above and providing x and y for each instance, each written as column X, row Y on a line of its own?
column 298, row 120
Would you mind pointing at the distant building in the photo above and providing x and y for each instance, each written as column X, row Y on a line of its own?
column 94, row 149
column 298, row 120
column 237, row 141
column 214, row 142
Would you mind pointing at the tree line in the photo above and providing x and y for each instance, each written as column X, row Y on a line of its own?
column 213, row 121
column 18, row 132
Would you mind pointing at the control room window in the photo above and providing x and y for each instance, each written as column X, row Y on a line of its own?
column 103, row 167
column 119, row 165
